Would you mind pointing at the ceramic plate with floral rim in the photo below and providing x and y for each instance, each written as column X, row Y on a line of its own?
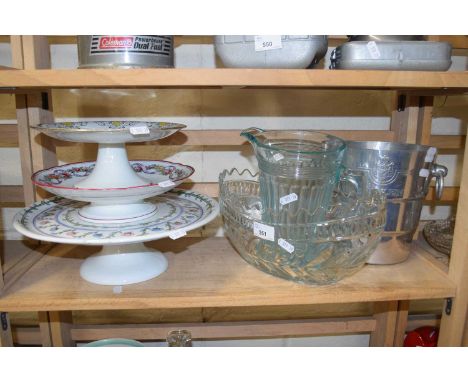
column 58, row 220
column 157, row 177
column 109, row 131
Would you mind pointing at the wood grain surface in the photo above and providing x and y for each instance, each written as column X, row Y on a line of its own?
column 201, row 77
column 209, row 273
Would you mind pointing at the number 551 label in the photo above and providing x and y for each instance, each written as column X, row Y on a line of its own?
column 267, row 43
column 264, row 231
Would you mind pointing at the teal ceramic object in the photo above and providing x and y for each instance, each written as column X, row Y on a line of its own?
column 115, row 342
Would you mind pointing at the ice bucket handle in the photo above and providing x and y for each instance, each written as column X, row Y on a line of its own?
column 439, row 172
column 333, row 59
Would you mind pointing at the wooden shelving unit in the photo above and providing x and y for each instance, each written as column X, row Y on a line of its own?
column 207, row 272
column 244, row 78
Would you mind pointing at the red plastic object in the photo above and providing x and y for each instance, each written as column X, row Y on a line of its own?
column 425, row 336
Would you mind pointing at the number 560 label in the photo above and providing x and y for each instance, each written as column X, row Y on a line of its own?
column 267, row 43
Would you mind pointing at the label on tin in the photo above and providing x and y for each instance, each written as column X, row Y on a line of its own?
column 139, row 130
column 424, row 172
column 177, row 234
column 167, row 183
column 278, row 156
column 153, row 45
column 264, row 231
column 288, row 199
column 430, row 154
column 267, row 43
column 288, row 247
column 373, row 49
column 117, row 289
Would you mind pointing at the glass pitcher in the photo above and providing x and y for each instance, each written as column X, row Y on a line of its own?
column 298, row 173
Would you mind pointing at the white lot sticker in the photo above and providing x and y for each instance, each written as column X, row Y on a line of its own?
column 177, row 234
column 117, row 289
column 285, row 245
column 264, row 231
column 139, row 130
column 288, row 199
column 167, row 183
column 424, row 172
column 373, row 49
column 430, row 154
column 267, row 43
column 277, row 157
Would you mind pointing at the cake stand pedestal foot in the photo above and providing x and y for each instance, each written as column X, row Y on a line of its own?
column 123, row 213
column 123, row 265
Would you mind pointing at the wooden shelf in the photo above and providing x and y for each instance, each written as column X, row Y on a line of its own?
column 13, row 251
column 252, row 78
column 209, row 273
column 9, row 138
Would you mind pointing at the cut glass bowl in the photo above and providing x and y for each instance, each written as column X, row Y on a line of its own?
column 314, row 253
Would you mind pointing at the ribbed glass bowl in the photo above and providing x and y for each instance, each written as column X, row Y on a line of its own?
column 439, row 234
column 314, row 253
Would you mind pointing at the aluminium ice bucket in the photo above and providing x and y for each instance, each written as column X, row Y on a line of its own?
column 403, row 172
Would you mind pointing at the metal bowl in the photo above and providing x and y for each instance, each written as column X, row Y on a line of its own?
column 373, row 37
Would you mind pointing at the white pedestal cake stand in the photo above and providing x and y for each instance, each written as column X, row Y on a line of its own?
column 123, row 259
column 113, row 204
column 112, row 169
column 123, row 265
column 109, row 208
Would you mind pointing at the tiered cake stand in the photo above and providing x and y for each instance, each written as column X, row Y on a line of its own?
column 114, row 202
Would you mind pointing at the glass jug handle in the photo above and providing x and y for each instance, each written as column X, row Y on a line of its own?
column 348, row 179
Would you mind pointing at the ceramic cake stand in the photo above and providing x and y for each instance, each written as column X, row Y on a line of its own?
column 123, row 259
column 115, row 202
column 112, row 173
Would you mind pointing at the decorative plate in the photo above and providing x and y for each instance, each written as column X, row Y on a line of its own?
column 110, row 131
column 65, row 181
column 57, row 220
column 114, row 342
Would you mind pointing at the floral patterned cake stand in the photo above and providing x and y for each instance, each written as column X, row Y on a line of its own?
column 123, row 259
column 112, row 169
column 66, row 180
